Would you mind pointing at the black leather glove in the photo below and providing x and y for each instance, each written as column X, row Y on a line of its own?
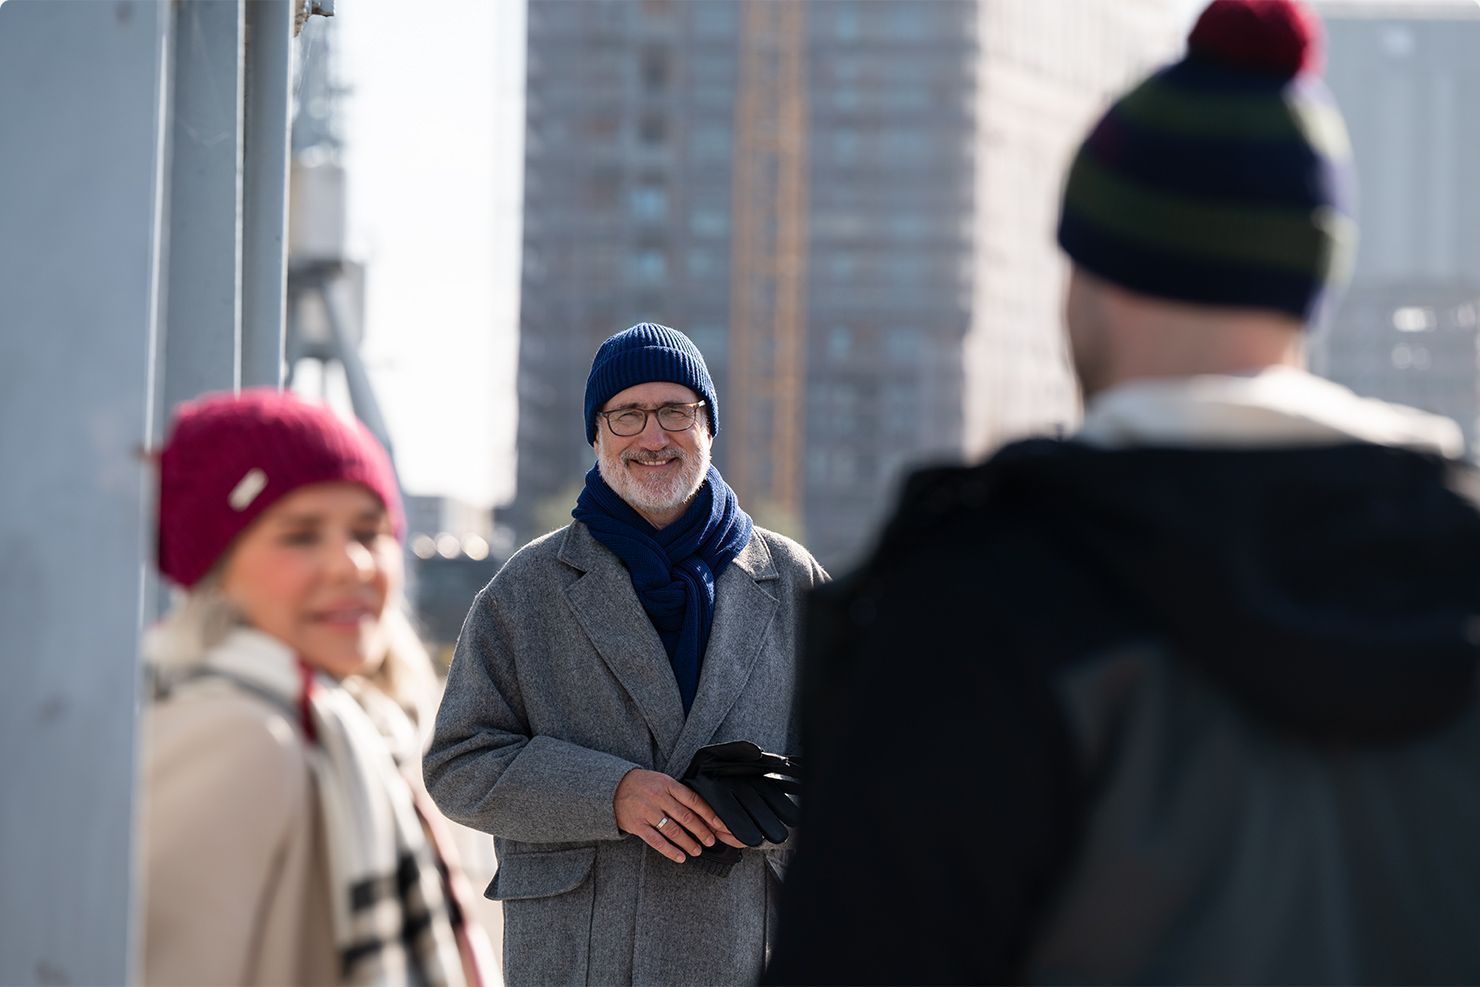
column 749, row 788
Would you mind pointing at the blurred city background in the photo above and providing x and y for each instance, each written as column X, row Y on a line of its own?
column 848, row 204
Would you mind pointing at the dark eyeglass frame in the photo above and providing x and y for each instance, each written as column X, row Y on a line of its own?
column 691, row 407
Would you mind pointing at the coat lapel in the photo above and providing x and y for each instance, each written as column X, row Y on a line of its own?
column 609, row 612
column 743, row 610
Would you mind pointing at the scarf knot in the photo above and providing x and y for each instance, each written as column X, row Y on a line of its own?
column 673, row 569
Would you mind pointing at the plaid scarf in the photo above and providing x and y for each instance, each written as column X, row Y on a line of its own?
column 393, row 922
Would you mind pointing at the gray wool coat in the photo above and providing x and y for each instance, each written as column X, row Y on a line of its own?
column 560, row 686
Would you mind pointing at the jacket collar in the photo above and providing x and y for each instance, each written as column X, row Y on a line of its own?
column 607, row 608
column 1279, row 406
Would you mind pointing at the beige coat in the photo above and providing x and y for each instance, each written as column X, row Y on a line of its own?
column 234, row 874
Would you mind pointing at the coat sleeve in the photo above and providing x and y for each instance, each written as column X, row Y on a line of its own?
column 227, row 790
column 486, row 770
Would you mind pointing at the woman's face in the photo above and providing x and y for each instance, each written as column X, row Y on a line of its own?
column 317, row 571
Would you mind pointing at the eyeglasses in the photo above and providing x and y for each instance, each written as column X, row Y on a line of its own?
column 627, row 422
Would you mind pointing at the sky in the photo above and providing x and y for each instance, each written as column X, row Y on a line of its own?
column 433, row 126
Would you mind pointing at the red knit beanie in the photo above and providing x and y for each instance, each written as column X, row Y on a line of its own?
column 229, row 457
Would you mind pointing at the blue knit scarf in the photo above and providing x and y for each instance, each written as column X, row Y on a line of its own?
column 674, row 568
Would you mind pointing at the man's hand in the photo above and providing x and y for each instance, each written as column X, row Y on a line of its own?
column 646, row 798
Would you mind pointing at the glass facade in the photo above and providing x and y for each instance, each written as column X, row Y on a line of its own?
column 1405, row 328
column 631, row 131
column 936, row 137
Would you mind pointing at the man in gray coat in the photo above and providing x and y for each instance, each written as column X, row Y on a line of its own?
column 594, row 666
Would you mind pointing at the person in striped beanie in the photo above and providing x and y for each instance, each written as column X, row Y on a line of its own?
column 1190, row 697
column 1224, row 179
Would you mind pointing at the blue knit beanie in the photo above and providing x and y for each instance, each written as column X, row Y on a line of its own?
column 641, row 355
column 1226, row 178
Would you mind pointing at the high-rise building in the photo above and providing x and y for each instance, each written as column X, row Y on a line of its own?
column 843, row 203
column 892, row 129
column 1048, row 70
column 1406, row 77
column 629, row 119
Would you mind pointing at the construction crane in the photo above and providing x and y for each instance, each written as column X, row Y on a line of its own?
column 768, row 274
column 326, row 286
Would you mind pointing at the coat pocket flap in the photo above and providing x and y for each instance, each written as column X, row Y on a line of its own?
column 541, row 874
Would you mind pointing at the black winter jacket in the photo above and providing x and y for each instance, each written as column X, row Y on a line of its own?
column 1148, row 715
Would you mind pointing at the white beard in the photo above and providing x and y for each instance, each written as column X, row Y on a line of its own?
column 655, row 494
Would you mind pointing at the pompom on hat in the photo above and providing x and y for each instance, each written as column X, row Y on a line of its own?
column 1224, row 179
column 645, row 353
column 229, row 457
column 1276, row 36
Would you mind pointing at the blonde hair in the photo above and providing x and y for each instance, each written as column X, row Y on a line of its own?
column 203, row 617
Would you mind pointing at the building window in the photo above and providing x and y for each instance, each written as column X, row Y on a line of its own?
column 845, row 142
column 599, row 127
column 714, row 18
column 842, row 265
column 905, row 146
column 649, row 267
column 908, row 226
column 711, row 142
column 908, row 22
column 655, row 67
column 648, row 204
column 652, row 129
column 846, row 23
column 840, row 347
column 908, row 271
column 709, row 221
column 902, row 345
column 601, row 192
column 703, row 264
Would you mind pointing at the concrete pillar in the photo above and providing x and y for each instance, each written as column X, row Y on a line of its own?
column 82, row 107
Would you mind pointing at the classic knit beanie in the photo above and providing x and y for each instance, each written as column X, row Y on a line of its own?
column 647, row 352
column 228, row 458
column 1225, row 178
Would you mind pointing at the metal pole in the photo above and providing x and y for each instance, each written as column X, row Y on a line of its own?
column 269, row 71
column 83, row 123
column 361, row 393
column 203, row 320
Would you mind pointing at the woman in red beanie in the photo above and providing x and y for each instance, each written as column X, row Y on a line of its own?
column 285, row 840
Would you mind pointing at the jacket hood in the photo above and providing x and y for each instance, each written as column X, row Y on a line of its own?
column 1334, row 591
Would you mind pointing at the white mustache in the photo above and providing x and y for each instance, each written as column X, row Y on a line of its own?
column 652, row 456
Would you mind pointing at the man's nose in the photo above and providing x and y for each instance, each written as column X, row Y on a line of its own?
column 653, row 436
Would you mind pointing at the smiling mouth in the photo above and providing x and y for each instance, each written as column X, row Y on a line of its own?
column 347, row 618
column 652, row 459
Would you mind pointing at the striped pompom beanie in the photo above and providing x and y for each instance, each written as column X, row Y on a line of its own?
column 1224, row 179
column 647, row 352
